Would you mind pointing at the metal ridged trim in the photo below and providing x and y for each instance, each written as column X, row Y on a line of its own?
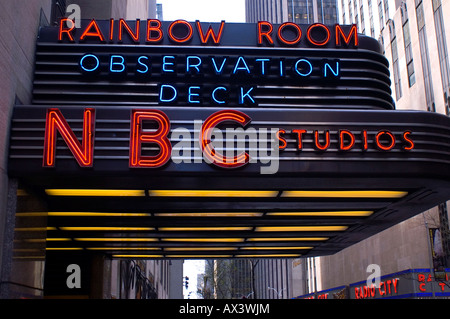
column 364, row 77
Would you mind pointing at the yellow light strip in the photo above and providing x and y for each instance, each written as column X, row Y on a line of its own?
column 95, row 192
column 106, row 228
column 22, row 192
column 204, row 228
column 81, row 214
column 118, row 239
column 198, row 248
column 37, row 240
column 64, row 248
column 199, row 256
column 215, row 214
column 32, row 214
column 58, row 239
column 212, row 193
column 329, row 214
column 277, row 248
column 137, row 256
column 345, row 194
column 300, row 228
column 204, row 240
column 288, row 239
column 123, row 248
column 96, row 214
column 268, row 255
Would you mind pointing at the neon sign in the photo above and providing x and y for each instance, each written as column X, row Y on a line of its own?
column 170, row 68
column 182, row 32
column 240, row 69
column 83, row 152
column 386, row 288
column 383, row 140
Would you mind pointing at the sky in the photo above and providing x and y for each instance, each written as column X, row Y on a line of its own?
column 204, row 10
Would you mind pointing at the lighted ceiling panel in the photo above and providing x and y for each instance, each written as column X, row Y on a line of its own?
column 204, row 233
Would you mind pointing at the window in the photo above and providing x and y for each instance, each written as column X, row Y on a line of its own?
column 344, row 20
column 372, row 27
column 363, row 24
column 301, row 11
column 423, row 43
column 380, row 14
column 327, row 9
column 395, row 66
column 58, row 10
column 442, row 49
column 408, row 47
column 386, row 9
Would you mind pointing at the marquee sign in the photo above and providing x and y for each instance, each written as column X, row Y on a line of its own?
column 407, row 284
column 222, row 70
column 176, row 105
column 153, row 32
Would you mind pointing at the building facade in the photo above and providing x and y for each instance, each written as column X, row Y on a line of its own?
column 414, row 38
column 405, row 246
column 297, row 11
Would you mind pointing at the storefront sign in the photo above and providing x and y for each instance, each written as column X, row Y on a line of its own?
column 414, row 283
column 182, row 32
column 83, row 152
column 408, row 284
column 135, row 53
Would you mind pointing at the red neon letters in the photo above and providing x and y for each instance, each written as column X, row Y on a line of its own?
column 210, row 33
column 317, row 34
column 386, row 288
column 154, row 26
column 159, row 137
column 346, row 140
column 123, row 24
column 83, row 152
column 181, row 32
column 96, row 33
column 264, row 32
column 205, row 139
column 347, row 39
column 152, row 127
column 292, row 26
column 313, row 40
column 64, row 30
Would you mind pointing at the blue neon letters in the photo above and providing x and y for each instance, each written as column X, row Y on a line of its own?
column 239, row 69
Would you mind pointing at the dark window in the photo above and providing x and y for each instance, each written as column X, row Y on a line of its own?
column 408, row 47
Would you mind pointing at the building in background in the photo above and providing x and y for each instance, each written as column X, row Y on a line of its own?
column 414, row 36
column 298, row 11
column 273, row 278
column 159, row 11
column 227, row 279
column 266, row 278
